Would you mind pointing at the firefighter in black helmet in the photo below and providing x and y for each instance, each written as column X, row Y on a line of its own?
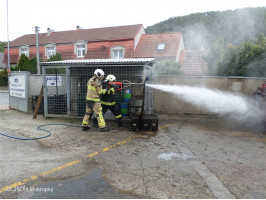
column 108, row 100
column 93, row 104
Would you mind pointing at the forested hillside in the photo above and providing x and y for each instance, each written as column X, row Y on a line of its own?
column 235, row 40
column 200, row 30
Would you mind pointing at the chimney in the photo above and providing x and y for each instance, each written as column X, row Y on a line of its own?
column 78, row 27
column 49, row 31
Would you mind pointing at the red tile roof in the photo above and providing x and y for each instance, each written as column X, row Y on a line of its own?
column 90, row 35
column 147, row 46
column 192, row 63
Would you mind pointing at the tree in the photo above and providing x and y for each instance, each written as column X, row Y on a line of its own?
column 247, row 59
column 168, row 67
column 56, row 57
column 32, row 65
column 26, row 64
column 2, row 45
column 4, row 77
column 215, row 57
column 257, row 68
column 201, row 29
column 22, row 63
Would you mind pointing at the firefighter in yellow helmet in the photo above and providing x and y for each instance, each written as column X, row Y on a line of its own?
column 94, row 90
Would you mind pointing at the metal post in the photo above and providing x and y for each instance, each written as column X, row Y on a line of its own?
column 37, row 50
column 68, row 88
column 8, row 55
column 45, row 102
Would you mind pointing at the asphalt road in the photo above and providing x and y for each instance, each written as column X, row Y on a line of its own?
column 189, row 157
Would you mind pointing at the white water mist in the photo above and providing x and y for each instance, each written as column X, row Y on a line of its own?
column 227, row 104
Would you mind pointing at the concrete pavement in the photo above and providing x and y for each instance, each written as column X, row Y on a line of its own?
column 189, row 157
column 4, row 98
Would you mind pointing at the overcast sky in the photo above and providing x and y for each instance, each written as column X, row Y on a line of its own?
column 62, row 15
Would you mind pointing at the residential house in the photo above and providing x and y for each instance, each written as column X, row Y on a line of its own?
column 193, row 63
column 98, row 43
column 171, row 46
column 101, row 43
column 160, row 46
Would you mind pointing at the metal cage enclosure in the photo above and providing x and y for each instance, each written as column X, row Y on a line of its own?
column 65, row 85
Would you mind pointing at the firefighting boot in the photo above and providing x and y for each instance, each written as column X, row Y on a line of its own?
column 105, row 129
column 85, row 128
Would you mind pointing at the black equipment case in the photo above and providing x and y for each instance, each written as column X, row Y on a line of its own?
column 144, row 122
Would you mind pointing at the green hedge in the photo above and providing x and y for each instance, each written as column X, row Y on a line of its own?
column 3, row 78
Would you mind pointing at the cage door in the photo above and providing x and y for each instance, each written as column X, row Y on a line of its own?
column 56, row 91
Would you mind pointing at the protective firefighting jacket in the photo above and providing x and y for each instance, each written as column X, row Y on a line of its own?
column 94, row 89
column 108, row 99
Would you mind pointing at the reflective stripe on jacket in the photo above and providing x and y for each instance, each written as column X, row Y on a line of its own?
column 107, row 103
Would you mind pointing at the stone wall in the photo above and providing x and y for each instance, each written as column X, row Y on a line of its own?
column 168, row 103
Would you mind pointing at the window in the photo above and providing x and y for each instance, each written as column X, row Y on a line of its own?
column 80, row 48
column 161, row 46
column 50, row 50
column 117, row 52
column 24, row 50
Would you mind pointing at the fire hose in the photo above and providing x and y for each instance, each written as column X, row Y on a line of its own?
column 39, row 128
column 126, row 83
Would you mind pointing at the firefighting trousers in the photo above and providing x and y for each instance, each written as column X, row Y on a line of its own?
column 96, row 108
column 115, row 110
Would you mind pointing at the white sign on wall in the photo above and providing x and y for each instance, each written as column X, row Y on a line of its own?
column 17, row 85
column 51, row 80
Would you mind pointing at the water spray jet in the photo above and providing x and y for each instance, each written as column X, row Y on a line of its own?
column 237, row 108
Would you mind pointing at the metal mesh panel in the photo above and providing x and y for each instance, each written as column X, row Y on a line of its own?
column 81, row 75
column 56, row 91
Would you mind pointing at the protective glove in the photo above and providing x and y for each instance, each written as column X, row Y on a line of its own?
column 111, row 91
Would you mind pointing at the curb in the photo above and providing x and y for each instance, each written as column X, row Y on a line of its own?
column 5, row 107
